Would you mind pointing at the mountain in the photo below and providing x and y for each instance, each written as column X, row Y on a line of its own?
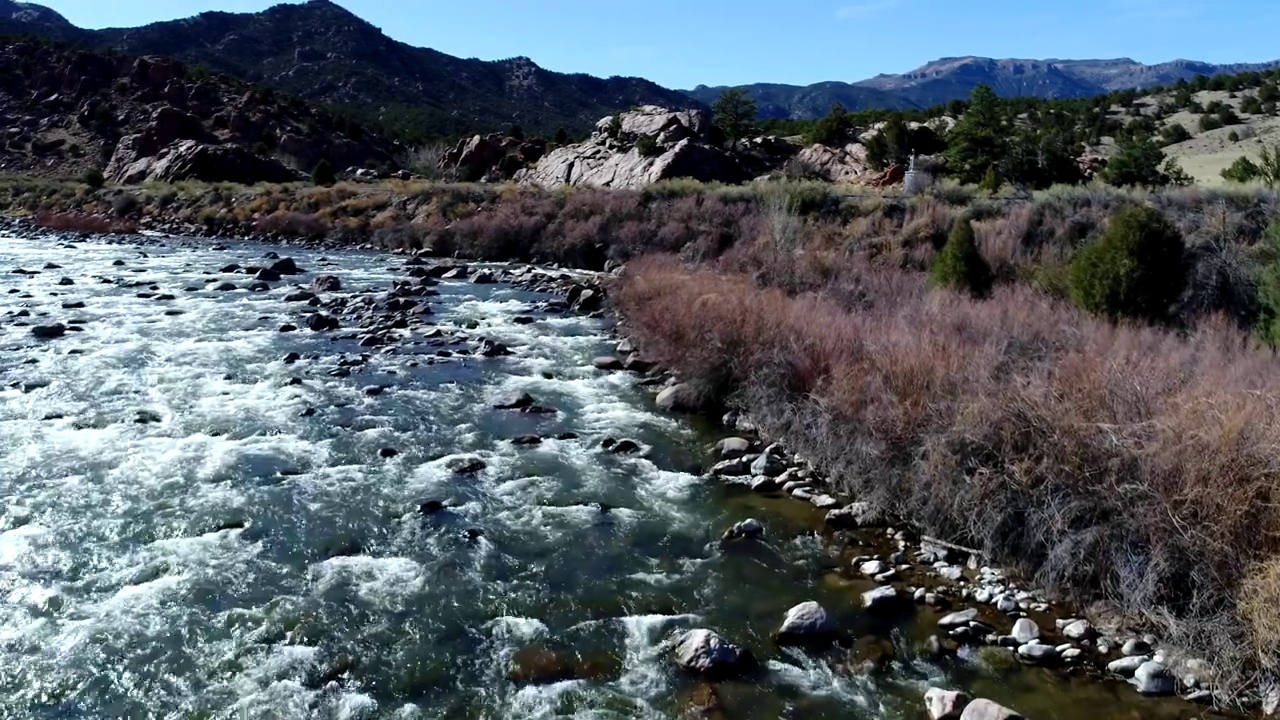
column 66, row 110
column 27, row 18
column 949, row 79
column 320, row 51
column 797, row 102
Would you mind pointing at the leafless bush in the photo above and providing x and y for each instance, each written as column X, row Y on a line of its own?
column 428, row 161
column 292, row 224
column 1121, row 463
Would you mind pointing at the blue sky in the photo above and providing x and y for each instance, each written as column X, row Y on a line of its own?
column 681, row 43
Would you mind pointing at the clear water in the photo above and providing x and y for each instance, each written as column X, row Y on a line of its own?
column 239, row 560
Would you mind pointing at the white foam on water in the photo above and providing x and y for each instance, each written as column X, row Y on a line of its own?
column 386, row 584
column 817, row 679
column 646, row 641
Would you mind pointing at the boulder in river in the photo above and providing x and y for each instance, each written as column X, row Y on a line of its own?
column 881, row 599
column 982, row 709
column 807, row 622
column 286, row 266
column 1126, row 666
column 466, row 465
column 680, row 397
column 750, row 529
column 326, row 283
column 1079, row 630
column 704, row 652
column 607, row 362
column 515, row 401
column 961, row 618
column 1025, row 630
column 320, row 322
column 732, row 448
column 49, row 332
column 1153, row 678
column 942, row 704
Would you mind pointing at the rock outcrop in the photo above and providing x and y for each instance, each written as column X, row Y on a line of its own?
column 67, row 110
column 638, row 148
column 194, row 160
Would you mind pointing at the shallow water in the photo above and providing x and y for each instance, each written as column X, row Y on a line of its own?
column 237, row 559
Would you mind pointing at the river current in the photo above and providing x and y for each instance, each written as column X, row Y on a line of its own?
column 192, row 527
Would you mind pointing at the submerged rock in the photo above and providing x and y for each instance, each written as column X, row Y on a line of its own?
column 468, row 465
column 750, row 529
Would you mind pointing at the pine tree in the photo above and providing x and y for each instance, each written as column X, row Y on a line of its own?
column 735, row 114
column 323, row 174
column 979, row 139
column 959, row 265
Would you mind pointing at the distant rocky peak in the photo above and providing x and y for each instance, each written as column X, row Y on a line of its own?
column 31, row 13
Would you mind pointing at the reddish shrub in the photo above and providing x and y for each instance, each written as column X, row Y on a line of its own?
column 292, row 224
column 1017, row 425
column 83, row 222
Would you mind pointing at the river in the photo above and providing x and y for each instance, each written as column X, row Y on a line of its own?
column 193, row 527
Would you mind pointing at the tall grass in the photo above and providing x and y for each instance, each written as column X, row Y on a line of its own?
column 1115, row 463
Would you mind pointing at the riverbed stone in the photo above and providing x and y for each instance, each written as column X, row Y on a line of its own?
column 871, row 568
column 881, row 599
column 1025, row 630
column 732, row 448
column 750, row 529
column 944, row 704
column 1152, row 678
column 515, row 401
column 465, row 465
column 1127, row 666
column 607, row 362
column 733, row 468
column 704, row 652
column 806, row 622
column 1079, row 630
column 1134, row 647
column 961, row 618
column 1037, row 654
column 680, row 397
column 982, row 709
column 854, row 516
column 49, row 332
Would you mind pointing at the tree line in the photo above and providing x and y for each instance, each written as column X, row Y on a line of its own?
column 1035, row 142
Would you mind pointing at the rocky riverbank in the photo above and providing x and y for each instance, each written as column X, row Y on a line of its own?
column 888, row 567
column 973, row 604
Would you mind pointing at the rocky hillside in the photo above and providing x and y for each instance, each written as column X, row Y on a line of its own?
column 320, row 51
column 941, row 81
column 67, row 111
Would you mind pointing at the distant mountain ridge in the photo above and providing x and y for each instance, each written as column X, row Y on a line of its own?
column 322, row 52
column 955, row 78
